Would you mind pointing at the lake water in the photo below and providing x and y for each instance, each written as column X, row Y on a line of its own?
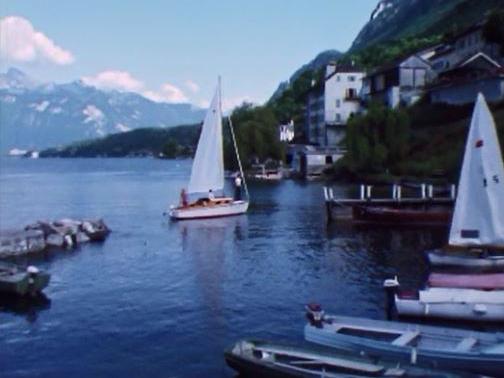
column 163, row 299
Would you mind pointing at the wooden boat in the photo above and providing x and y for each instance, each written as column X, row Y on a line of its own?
column 14, row 280
column 422, row 345
column 478, row 218
column 489, row 281
column 266, row 359
column 401, row 215
column 206, row 185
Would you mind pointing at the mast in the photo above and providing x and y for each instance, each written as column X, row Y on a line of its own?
column 238, row 158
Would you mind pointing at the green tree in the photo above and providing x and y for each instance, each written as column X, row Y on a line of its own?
column 170, row 149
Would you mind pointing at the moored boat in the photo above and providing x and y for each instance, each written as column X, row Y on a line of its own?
column 471, row 259
column 422, row 345
column 18, row 281
column 401, row 215
column 488, row 281
column 478, row 219
column 272, row 359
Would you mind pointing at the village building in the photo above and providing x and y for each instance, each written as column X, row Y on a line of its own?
column 462, row 46
column 331, row 102
column 462, row 83
column 401, row 82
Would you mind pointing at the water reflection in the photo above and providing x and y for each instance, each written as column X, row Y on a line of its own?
column 26, row 306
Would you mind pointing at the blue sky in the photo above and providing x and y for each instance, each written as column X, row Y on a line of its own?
column 174, row 50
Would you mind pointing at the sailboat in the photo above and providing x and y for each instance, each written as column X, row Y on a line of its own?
column 477, row 228
column 476, row 236
column 206, row 185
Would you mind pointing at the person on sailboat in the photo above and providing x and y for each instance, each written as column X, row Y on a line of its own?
column 183, row 198
column 238, row 183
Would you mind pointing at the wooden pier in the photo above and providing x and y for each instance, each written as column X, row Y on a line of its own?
column 342, row 208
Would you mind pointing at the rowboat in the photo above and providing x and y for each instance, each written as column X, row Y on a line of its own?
column 18, row 281
column 267, row 359
column 422, row 345
column 401, row 215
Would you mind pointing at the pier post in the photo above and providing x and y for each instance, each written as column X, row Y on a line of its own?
column 328, row 203
column 368, row 191
column 452, row 191
column 431, row 191
column 394, row 189
column 423, row 191
column 399, row 194
column 362, row 192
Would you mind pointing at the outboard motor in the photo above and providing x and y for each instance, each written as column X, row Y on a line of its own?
column 391, row 287
column 315, row 314
column 32, row 273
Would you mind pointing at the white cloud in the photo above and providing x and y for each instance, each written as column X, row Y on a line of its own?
column 20, row 42
column 124, row 81
column 192, row 86
column 167, row 93
column 114, row 79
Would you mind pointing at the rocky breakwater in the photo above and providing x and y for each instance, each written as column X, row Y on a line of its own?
column 59, row 235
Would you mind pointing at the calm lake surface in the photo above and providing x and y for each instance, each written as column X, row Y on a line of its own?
column 163, row 299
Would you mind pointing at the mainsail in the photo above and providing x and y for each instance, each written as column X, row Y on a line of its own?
column 208, row 166
column 478, row 219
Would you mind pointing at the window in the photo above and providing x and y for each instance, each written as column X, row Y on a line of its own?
column 328, row 159
column 351, row 93
column 338, row 103
column 351, row 78
column 338, row 117
column 338, row 78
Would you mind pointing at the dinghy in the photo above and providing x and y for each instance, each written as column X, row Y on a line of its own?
column 422, row 345
column 477, row 228
column 18, row 281
column 206, row 185
column 488, row 281
column 266, row 359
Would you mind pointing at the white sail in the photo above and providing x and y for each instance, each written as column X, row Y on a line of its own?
column 478, row 218
column 208, row 166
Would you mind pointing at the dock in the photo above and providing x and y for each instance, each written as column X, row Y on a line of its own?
column 427, row 198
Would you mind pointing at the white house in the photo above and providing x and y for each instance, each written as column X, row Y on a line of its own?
column 331, row 102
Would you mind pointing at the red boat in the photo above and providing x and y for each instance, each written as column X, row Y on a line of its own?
column 404, row 216
column 489, row 281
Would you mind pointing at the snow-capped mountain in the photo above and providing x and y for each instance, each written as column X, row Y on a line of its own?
column 36, row 116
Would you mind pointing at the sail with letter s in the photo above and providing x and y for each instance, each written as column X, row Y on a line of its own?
column 208, row 165
column 478, row 219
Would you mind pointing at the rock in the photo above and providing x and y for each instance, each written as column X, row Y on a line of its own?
column 16, row 243
column 55, row 240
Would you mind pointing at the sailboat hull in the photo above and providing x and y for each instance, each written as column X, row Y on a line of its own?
column 468, row 260
column 224, row 210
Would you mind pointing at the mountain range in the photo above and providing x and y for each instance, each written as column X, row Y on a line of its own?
column 35, row 115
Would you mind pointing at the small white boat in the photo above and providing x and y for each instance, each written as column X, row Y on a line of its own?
column 477, row 226
column 206, row 185
column 453, row 303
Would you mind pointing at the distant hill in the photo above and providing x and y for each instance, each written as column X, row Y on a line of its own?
column 37, row 116
column 140, row 142
column 396, row 19
column 316, row 63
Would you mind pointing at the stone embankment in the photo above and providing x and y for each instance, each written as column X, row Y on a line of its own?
column 61, row 234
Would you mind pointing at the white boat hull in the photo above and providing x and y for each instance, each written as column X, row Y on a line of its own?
column 224, row 210
column 450, row 303
column 438, row 258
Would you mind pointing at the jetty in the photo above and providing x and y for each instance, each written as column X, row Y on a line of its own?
column 59, row 235
column 429, row 199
